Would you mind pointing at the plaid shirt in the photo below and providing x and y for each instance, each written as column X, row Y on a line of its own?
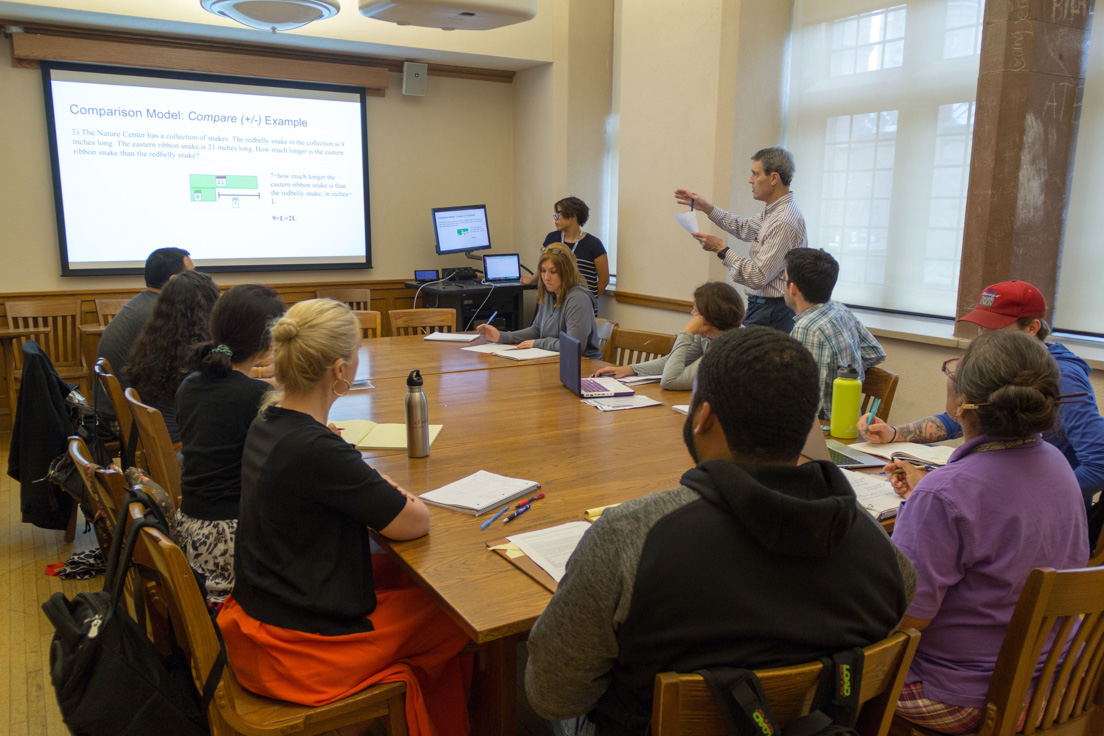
column 778, row 230
column 835, row 338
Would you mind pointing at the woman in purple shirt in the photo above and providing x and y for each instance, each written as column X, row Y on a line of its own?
column 1006, row 503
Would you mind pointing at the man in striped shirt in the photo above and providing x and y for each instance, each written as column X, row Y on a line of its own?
column 776, row 231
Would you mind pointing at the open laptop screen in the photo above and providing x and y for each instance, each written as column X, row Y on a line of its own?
column 571, row 356
column 502, row 267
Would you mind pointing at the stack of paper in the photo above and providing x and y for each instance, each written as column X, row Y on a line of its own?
column 551, row 548
column 452, row 336
column 513, row 352
column 617, row 403
column 682, row 408
column 479, row 492
column 875, row 494
column 365, row 435
column 911, row 451
column 637, row 380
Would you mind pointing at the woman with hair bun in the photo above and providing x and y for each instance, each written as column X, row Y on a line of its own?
column 314, row 615
column 214, row 407
column 1006, row 503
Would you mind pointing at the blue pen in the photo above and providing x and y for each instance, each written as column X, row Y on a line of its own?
column 491, row 318
column 874, row 409
column 516, row 514
column 691, row 205
column 501, row 511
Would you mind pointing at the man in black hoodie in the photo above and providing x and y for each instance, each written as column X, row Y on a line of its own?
column 753, row 561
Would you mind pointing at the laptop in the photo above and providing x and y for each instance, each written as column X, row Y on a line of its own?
column 571, row 370
column 817, row 447
column 502, row 270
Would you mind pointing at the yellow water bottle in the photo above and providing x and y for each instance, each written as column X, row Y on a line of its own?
column 846, row 400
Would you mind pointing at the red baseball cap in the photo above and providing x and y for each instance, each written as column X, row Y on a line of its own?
column 1002, row 304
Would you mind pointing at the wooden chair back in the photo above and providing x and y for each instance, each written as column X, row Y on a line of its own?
column 235, row 710
column 156, row 444
column 106, row 486
column 1097, row 558
column 636, row 346
column 114, row 390
column 684, row 706
column 62, row 343
column 879, row 384
column 370, row 324
column 106, row 309
column 359, row 300
column 421, row 321
column 606, row 328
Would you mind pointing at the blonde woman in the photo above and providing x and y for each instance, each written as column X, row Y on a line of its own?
column 314, row 616
column 564, row 304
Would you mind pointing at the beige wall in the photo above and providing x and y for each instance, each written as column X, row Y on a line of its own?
column 453, row 146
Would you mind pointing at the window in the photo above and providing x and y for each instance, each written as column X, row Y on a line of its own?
column 880, row 114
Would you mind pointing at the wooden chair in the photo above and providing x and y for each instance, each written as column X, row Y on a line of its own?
column 106, row 486
column 421, row 321
column 114, row 390
column 62, row 343
column 235, row 710
column 370, row 324
column 879, row 384
column 1069, row 696
column 106, row 309
column 359, row 300
column 606, row 330
column 683, row 704
column 160, row 455
column 635, row 346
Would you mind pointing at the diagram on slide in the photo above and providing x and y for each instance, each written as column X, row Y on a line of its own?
column 231, row 190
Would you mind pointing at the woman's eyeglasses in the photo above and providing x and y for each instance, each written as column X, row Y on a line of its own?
column 950, row 365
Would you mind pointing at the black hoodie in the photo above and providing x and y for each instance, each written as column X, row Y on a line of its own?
column 744, row 565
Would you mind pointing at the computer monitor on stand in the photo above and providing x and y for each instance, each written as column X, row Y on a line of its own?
column 461, row 230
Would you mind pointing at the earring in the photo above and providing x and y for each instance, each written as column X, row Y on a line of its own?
column 348, row 387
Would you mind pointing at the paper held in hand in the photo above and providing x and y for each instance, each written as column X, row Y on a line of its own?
column 875, row 494
column 911, row 451
column 479, row 492
column 367, row 435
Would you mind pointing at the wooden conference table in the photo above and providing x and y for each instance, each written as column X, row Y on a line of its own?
column 514, row 419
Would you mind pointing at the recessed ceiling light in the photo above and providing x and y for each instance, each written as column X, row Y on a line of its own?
column 273, row 15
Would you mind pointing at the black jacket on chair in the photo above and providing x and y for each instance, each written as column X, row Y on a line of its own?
column 40, row 433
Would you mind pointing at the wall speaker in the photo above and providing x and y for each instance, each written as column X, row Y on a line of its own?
column 414, row 78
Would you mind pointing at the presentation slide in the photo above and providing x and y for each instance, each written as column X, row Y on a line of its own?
column 461, row 229
column 244, row 177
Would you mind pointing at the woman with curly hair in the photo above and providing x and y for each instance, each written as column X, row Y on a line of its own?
column 157, row 362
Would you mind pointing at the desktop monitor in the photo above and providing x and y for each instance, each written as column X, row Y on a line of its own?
column 461, row 229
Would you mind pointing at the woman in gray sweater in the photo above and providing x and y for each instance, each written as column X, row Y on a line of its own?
column 717, row 308
column 564, row 304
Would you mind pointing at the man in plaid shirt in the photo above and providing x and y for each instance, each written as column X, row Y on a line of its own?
column 827, row 328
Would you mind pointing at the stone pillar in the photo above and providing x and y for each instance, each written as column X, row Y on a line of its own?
column 1033, row 56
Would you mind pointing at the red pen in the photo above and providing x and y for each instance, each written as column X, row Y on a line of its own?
column 528, row 501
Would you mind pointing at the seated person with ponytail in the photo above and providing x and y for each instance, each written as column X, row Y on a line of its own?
column 717, row 307
column 564, row 304
column 1006, row 503
column 314, row 615
column 214, row 407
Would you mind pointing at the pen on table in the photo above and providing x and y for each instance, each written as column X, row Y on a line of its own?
column 501, row 511
column 519, row 512
column 531, row 499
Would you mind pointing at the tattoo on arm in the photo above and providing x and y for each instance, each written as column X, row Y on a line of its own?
column 928, row 429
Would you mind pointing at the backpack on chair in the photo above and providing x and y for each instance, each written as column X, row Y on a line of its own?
column 109, row 677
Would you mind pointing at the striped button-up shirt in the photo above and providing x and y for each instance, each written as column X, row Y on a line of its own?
column 835, row 337
column 779, row 229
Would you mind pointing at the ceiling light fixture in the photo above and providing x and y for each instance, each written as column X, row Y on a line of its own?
column 273, row 15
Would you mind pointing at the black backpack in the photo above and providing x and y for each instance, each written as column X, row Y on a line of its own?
column 744, row 707
column 109, row 677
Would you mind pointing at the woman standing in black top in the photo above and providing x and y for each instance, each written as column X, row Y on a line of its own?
column 569, row 217
column 314, row 615
column 214, row 407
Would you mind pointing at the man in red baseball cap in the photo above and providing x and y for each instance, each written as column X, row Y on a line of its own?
column 1079, row 434
column 1009, row 301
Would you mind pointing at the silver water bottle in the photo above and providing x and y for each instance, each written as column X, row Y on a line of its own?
column 417, row 417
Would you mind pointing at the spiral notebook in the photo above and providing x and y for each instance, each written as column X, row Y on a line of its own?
column 479, row 492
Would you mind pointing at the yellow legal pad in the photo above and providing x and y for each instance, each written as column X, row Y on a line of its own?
column 367, row 435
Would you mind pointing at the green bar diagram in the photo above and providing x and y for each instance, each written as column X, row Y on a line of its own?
column 213, row 187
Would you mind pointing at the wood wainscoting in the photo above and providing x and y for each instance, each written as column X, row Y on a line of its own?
column 387, row 294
